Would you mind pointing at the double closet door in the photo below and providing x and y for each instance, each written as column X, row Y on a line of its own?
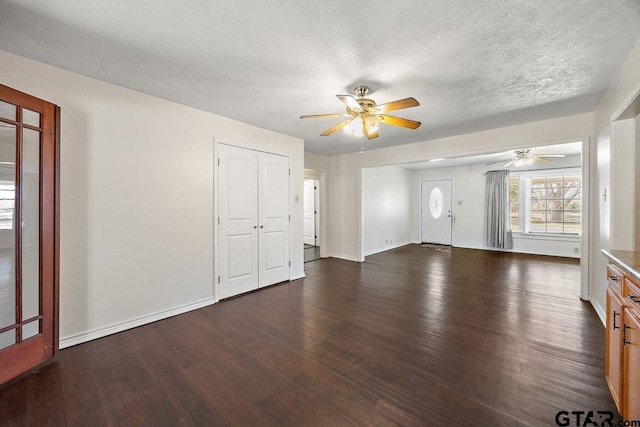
column 253, row 220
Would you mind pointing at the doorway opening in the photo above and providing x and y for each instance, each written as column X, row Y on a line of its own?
column 311, row 212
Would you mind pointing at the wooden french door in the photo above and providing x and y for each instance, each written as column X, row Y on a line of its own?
column 28, row 231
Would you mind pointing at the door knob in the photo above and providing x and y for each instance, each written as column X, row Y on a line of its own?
column 262, row 226
column 255, row 226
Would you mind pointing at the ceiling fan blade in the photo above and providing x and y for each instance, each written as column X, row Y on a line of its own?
column 495, row 163
column 336, row 128
column 551, row 155
column 398, row 121
column 509, row 164
column 400, row 104
column 541, row 160
column 318, row 116
column 370, row 134
column 350, row 101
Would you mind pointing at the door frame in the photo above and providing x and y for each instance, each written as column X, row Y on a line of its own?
column 453, row 215
column 320, row 176
column 316, row 238
column 216, row 181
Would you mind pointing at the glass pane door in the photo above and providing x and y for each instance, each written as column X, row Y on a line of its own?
column 27, row 232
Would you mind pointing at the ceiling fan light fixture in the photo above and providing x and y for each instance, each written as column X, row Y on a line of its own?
column 372, row 124
column 355, row 127
column 523, row 161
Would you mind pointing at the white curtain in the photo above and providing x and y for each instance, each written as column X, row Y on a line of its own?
column 498, row 222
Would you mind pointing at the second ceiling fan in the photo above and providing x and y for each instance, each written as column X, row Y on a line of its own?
column 527, row 158
column 364, row 115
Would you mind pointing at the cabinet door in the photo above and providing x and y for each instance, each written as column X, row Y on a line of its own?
column 631, row 393
column 613, row 356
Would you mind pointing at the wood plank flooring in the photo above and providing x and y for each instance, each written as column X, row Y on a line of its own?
column 413, row 336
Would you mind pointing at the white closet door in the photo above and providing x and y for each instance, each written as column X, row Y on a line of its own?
column 309, row 220
column 273, row 212
column 238, row 213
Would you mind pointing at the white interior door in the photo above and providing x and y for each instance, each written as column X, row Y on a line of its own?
column 436, row 212
column 274, row 218
column 238, row 221
column 309, row 221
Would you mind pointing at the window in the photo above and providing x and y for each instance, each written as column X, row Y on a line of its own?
column 546, row 204
column 514, row 202
column 555, row 204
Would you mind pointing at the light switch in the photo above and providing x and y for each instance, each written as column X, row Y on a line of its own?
column 297, row 198
column 459, row 202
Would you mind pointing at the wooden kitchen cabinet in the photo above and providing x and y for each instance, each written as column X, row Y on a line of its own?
column 613, row 356
column 631, row 365
column 622, row 358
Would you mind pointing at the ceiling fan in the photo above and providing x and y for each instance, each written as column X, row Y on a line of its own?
column 527, row 158
column 364, row 115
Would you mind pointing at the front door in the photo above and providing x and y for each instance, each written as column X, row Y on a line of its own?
column 28, row 232
column 436, row 212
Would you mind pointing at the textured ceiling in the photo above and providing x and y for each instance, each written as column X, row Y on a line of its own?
column 473, row 65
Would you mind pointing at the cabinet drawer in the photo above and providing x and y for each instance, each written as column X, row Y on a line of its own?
column 631, row 293
column 614, row 278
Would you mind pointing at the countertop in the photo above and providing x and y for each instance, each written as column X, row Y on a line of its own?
column 630, row 260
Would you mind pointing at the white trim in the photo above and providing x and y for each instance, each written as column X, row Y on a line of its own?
column 635, row 93
column 298, row 276
column 133, row 323
column 322, row 211
column 599, row 311
column 345, row 257
column 573, row 238
column 387, row 248
column 518, row 251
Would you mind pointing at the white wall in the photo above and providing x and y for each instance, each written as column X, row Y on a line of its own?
column 611, row 216
column 345, row 169
column 137, row 197
column 469, row 213
column 386, row 201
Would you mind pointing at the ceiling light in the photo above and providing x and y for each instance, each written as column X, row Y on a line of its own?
column 523, row 161
column 355, row 127
column 437, row 160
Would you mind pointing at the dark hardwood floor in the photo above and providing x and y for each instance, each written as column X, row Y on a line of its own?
column 413, row 336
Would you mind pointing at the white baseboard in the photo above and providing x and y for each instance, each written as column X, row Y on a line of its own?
column 298, row 276
column 345, row 257
column 139, row 321
column 518, row 251
column 387, row 248
column 599, row 310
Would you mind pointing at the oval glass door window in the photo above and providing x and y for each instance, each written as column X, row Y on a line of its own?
column 435, row 203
